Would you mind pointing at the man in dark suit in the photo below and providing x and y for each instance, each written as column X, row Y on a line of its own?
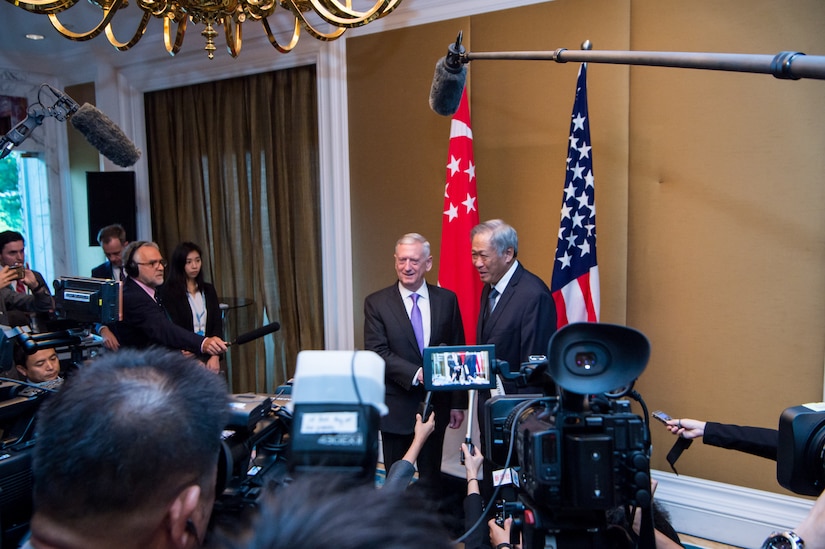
column 517, row 312
column 112, row 238
column 13, row 256
column 145, row 321
column 388, row 330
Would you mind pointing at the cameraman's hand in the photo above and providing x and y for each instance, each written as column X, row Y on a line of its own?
column 498, row 534
column 686, row 428
column 109, row 340
column 29, row 279
column 7, row 276
column 812, row 528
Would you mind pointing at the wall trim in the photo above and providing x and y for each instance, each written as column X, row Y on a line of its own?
column 727, row 513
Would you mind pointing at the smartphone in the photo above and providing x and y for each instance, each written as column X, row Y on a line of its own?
column 20, row 271
column 661, row 416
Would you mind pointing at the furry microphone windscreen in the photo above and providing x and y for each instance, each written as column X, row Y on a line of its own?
column 105, row 136
column 447, row 87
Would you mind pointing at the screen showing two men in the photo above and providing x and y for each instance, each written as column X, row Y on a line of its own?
column 459, row 367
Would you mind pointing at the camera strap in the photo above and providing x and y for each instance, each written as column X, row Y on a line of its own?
column 680, row 446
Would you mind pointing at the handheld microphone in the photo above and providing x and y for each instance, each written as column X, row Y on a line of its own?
column 255, row 334
column 105, row 136
column 426, row 407
column 448, row 80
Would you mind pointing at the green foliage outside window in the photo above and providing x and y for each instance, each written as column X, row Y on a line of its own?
column 11, row 204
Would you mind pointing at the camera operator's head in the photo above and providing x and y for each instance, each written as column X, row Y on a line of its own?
column 126, row 453
column 328, row 511
column 38, row 367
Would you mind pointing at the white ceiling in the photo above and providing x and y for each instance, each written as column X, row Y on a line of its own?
column 56, row 55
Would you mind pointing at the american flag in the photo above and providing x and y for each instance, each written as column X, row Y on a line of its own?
column 455, row 269
column 575, row 284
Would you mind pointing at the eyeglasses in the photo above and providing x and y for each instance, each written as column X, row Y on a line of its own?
column 154, row 263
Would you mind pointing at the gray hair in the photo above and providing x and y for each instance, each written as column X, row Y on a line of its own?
column 415, row 238
column 502, row 235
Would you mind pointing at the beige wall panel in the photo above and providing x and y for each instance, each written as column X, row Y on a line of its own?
column 398, row 151
column 726, row 262
column 521, row 121
column 520, row 116
column 709, row 188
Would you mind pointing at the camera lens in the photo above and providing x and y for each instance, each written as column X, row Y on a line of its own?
column 585, row 360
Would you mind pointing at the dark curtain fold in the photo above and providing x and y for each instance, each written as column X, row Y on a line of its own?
column 233, row 166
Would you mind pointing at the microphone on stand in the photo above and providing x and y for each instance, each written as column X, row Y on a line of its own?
column 448, row 80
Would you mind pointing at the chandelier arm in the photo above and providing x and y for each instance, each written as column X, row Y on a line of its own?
column 108, row 14
column 315, row 33
column 296, row 33
column 323, row 36
column 173, row 49
column 123, row 46
column 234, row 40
column 336, row 13
column 44, row 7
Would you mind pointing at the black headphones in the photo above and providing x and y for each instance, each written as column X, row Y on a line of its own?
column 132, row 269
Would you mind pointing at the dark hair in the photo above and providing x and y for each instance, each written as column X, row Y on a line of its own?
column 110, row 232
column 7, row 237
column 125, row 432
column 320, row 512
column 20, row 354
column 176, row 273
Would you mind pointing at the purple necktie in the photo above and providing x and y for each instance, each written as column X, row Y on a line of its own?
column 417, row 323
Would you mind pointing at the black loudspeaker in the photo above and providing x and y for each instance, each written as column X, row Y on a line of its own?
column 111, row 199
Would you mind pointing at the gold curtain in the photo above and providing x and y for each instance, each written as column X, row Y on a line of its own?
column 233, row 166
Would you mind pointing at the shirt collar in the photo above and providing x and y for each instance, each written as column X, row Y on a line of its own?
column 501, row 285
column 147, row 289
column 421, row 291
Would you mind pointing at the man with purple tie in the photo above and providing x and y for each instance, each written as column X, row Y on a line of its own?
column 400, row 321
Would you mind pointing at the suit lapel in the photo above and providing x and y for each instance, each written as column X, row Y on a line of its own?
column 485, row 327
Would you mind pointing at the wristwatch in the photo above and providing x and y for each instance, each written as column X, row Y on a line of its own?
column 783, row 540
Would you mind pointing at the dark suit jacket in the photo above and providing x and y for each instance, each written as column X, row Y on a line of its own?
column 177, row 305
column 146, row 323
column 522, row 322
column 104, row 270
column 18, row 307
column 388, row 332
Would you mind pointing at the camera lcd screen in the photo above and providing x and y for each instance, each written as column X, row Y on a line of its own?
column 459, row 367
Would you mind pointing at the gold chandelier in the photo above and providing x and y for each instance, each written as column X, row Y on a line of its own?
column 335, row 16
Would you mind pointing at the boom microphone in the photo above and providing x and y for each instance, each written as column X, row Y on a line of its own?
column 255, row 334
column 105, row 136
column 448, row 80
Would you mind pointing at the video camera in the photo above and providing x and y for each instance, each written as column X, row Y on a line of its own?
column 87, row 300
column 800, row 460
column 578, row 453
column 325, row 422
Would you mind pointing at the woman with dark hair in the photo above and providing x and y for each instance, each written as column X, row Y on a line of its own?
column 191, row 302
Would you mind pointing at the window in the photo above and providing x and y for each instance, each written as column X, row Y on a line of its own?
column 24, row 207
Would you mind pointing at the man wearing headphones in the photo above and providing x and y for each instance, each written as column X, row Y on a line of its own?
column 145, row 321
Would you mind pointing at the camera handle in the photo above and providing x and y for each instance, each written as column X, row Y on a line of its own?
column 468, row 438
